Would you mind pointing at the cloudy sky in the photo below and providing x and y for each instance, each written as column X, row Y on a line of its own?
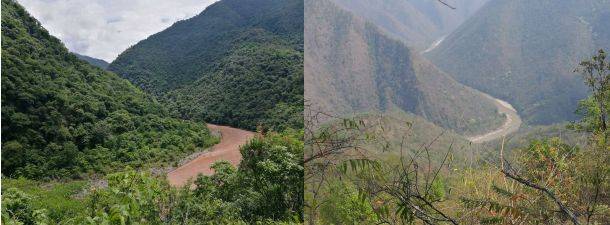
column 104, row 28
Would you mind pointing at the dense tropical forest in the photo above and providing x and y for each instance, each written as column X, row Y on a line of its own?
column 238, row 63
column 62, row 117
column 82, row 145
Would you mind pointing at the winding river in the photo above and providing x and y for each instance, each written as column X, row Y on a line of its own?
column 511, row 124
column 228, row 149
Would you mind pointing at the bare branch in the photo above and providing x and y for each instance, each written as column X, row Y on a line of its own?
column 444, row 3
column 509, row 172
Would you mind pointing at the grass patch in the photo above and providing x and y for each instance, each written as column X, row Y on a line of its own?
column 58, row 198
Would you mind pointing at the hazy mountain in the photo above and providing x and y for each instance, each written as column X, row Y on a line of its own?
column 93, row 61
column 525, row 52
column 417, row 22
column 239, row 62
column 62, row 117
column 351, row 66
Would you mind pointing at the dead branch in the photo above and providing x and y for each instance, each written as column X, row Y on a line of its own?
column 444, row 3
column 510, row 173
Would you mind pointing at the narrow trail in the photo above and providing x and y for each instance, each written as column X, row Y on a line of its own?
column 512, row 123
column 227, row 149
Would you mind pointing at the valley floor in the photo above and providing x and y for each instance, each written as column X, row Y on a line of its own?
column 227, row 149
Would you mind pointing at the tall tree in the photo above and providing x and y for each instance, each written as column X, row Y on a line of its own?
column 596, row 73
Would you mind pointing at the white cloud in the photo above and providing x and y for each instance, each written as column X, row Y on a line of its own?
column 105, row 28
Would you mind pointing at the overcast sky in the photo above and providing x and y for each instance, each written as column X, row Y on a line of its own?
column 105, row 28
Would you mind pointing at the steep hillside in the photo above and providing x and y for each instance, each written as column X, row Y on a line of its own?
column 93, row 61
column 238, row 63
column 352, row 67
column 62, row 117
column 525, row 52
column 418, row 23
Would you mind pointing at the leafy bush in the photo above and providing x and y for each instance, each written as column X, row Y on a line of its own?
column 17, row 209
column 344, row 206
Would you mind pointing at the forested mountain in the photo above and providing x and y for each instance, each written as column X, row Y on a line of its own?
column 351, row 66
column 418, row 23
column 239, row 62
column 62, row 117
column 525, row 52
column 93, row 61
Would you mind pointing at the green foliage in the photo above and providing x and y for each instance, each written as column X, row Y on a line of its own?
column 138, row 198
column 590, row 112
column 545, row 157
column 437, row 190
column 257, row 83
column 17, row 209
column 268, row 185
column 356, row 165
column 62, row 117
column 267, row 188
column 596, row 108
column 271, row 177
column 58, row 199
column 242, row 65
column 345, row 206
column 499, row 210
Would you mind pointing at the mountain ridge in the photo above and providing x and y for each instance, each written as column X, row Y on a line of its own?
column 93, row 61
column 417, row 23
column 238, row 63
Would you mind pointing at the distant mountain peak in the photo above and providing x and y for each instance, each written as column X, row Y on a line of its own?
column 93, row 61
